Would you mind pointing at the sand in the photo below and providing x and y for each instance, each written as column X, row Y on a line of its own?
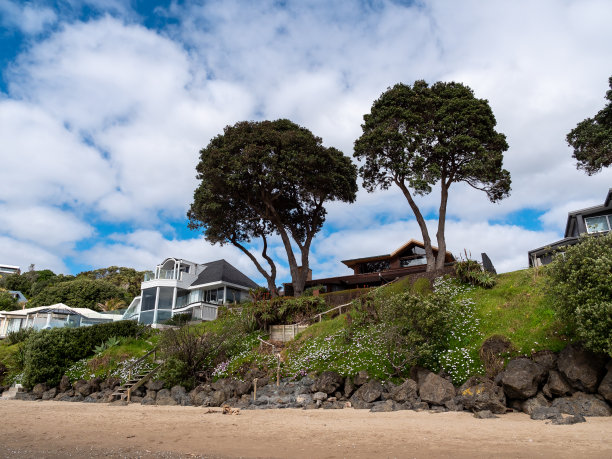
column 64, row 429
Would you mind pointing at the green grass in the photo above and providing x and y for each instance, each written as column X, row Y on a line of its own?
column 518, row 309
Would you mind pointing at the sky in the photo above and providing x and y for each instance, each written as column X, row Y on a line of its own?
column 104, row 106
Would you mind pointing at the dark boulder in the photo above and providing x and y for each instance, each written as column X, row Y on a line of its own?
column 39, row 389
column 49, row 394
column 242, row 387
column 384, row 407
column 349, row 387
column 561, row 420
column 361, row 378
column 521, row 378
column 482, row 395
column 110, row 384
column 405, row 392
column 583, row 404
column 531, row 404
column 546, row 359
column 164, row 397
column 25, row 396
column 484, row 414
column 328, row 382
column 582, row 369
column 82, row 387
column 369, row 392
column 418, row 374
column 179, row 394
column 64, row 384
column 436, row 390
column 557, row 385
column 154, row 384
column 217, row 398
column 605, row 387
column 541, row 413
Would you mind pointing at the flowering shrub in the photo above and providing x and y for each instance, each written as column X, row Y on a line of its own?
column 580, row 283
column 333, row 352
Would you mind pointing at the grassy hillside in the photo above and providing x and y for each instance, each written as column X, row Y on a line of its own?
column 516, row 308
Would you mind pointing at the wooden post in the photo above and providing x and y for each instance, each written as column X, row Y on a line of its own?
column 278, row 370
column 129, row 397
column 254, row 389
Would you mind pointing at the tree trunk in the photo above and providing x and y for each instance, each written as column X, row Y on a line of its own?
column 441, row 227
column 270, row 277
column 431, row 261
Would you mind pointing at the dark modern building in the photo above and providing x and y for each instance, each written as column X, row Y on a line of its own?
column 409, row 259
column 592, row 220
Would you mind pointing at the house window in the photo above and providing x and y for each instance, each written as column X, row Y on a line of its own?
column 598, row 224
column 374, row 266
column 415, row 260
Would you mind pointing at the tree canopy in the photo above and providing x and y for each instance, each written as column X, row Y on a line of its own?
column 591, row 139
column 79, row 293
column 418, row 136
column 269, row 177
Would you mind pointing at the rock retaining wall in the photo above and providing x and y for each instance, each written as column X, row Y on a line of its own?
column 575, row 383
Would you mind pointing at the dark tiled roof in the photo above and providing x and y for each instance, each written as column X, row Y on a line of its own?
column 221, row 270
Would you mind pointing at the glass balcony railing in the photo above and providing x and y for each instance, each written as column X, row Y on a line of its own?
column 163, row 274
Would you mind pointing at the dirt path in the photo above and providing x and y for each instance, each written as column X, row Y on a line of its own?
column 63, row 429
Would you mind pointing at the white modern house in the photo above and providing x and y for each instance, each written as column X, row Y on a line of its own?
column 56, row 315
column 180, row 286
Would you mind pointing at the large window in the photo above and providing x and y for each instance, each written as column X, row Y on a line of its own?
column 165, row 298
column 148, row 299
column 374, row 266
column 598, row 224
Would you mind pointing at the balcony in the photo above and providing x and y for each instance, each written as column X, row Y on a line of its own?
column 168, row 274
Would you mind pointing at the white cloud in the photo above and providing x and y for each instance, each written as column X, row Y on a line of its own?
column 106, row 117
column 25, row 16
column 45, row 226
column 22, row 254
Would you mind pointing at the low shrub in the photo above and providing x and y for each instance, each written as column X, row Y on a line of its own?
column 285, row 310
column 179, row 319
column 18, row 336
column 471, row 272
column 49, row 353
column 580, row 285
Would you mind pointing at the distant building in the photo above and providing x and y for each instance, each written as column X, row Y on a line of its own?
column 592, row 220
column 9, row 269
column 409, row 259
column 180, row 286
column 20, row 297
column 54, row 316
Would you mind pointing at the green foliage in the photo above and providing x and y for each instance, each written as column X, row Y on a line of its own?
column 7, row 302
column 49, row 353
column 591, row 139
column 420, row 135
column 285, row 310
column 191, row 355
column 310, row 290
column 179, row 319
column 20, row 335
column 471, row 272
column 79, row 293
column 269, row 177
column 414, row 328
column 112, row 341
column 580, row 283
column 421, row 286
column 127, row 279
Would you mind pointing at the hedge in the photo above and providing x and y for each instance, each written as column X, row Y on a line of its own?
column 48, row 354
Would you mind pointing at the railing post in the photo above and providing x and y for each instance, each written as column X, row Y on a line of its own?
column 129, row 395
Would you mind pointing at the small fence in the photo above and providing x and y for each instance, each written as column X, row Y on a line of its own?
column 286, row 333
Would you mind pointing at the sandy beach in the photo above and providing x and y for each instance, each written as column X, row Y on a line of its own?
column 63, row 429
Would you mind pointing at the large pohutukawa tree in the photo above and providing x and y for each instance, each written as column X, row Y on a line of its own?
column 418, row 136
column 591, row 139
column 271, row 177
